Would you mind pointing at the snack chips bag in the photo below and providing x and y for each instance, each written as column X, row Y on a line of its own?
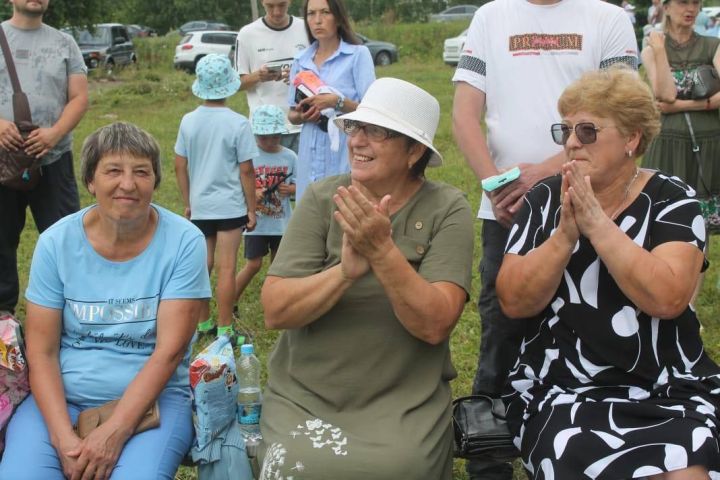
column 14, row 385
column 214, row 385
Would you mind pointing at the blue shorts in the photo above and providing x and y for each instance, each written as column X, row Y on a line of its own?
column 152, row 454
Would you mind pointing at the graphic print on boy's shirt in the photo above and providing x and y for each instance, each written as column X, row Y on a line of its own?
column 269, row 179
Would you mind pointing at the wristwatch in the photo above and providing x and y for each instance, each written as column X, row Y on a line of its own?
column 340, row 103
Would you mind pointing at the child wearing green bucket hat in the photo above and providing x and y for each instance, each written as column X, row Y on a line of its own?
column 213, row 164
column 274, row 185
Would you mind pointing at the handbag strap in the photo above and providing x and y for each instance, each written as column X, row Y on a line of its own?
column 21, row 106
column 696, row 152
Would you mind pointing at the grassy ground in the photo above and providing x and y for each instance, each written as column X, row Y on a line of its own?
column 155, row 97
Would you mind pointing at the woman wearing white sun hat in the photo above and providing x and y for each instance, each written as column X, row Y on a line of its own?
column 370, row 279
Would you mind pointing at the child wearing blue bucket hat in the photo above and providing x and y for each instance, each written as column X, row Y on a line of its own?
column 213, row 164
column 274, row 185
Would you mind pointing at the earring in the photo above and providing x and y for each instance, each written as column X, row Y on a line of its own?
column 629, row 153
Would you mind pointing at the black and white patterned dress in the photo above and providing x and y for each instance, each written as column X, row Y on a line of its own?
column 601, row 389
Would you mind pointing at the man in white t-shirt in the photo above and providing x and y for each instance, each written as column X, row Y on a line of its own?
column 263, row 54
column 519, row 57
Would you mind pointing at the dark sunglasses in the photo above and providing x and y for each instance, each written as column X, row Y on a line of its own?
column 586, row 132
column 373, row 132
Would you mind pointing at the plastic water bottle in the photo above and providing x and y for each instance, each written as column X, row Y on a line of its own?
column 249, row 399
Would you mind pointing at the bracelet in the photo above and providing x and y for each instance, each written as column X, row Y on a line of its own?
column 340, row 104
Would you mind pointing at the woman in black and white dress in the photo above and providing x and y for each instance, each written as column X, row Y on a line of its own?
column 612, row 381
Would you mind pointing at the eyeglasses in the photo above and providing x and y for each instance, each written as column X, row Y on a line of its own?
column 373, row 132
column 586, row 132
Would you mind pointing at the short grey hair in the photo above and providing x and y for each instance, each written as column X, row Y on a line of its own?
column 118, row 137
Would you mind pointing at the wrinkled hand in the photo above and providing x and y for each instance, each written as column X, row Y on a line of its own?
column 269, row 75
column 41, row 141
column 656, row 40
column 588, row 213
column 97, row 454
column 366, row 225
column 10, row 137
column 252, row 221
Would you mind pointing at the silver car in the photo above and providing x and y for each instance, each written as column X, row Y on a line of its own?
column 458, row 12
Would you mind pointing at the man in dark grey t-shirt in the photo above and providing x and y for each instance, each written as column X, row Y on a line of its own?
column 52, row 73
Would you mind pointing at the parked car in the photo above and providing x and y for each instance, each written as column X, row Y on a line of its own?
column 196, row 45
column 198, row 25
column 106, row 45
column 141, row 31
column 383, row 53
column 458, row 12
column 453, row 47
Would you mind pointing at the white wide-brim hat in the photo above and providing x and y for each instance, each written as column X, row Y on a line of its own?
column 400, row 106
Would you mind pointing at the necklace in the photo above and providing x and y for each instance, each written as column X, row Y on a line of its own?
column 627, row 192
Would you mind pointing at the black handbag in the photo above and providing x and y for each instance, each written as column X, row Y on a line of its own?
column 705, row 82
column 18, row 170
column 480, row 429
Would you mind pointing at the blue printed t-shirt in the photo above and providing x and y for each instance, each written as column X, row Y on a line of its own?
column 349, row 70
column 110, row 308
column 215, row 140
column 273, row 212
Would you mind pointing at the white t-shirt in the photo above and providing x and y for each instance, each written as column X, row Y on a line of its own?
column 523, row 56
column 258, row 44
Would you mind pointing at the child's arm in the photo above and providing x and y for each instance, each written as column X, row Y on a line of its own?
column 247, row 179
column 183, row 180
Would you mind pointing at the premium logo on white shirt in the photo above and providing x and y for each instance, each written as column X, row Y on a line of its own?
column 534, row 43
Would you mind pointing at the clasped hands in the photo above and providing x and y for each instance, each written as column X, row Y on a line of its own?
column 367, row 230
column 581, row 212
column 39, row 142
column 95, row 456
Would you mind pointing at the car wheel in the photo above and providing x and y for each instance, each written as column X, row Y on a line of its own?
column 383, row 58
column 197, row 59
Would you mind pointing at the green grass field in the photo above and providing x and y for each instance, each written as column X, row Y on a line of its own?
column 155, row 97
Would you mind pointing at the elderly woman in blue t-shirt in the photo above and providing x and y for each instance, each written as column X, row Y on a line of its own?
column 113, row 301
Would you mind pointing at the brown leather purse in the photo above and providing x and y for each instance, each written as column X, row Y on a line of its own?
column 18, row 170
column 90, row 419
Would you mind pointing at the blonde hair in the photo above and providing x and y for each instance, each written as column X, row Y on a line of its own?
column 616, row 93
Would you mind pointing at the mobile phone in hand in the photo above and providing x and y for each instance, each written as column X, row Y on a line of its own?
column 496, row 181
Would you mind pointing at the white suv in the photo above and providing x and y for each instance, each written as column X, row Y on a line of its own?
column 196, row 45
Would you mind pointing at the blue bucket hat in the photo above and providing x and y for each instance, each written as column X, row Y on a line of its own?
column 216, row 79
column 268, row 120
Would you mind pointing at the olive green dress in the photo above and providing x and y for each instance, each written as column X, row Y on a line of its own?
column 671, row 151
column 353, row 395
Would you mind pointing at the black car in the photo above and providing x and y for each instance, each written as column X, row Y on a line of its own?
column 196, row 25
column 106, row 45
column 383, row 53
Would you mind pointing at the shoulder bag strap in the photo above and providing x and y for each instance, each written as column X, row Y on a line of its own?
column 696, row 152
column 21, row 106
